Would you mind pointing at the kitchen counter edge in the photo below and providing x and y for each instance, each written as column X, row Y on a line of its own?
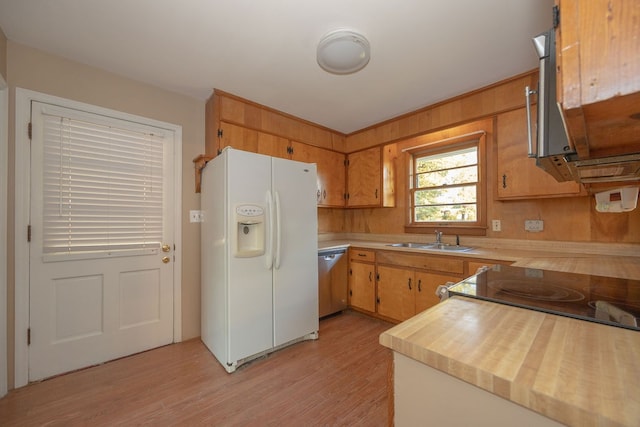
column 562, row 368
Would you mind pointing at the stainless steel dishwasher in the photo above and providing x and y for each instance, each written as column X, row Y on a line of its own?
column 332, row 281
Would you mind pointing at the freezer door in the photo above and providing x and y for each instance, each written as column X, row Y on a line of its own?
column 250, row 304
column 295, row 286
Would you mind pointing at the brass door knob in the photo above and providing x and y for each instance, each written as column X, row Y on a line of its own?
column 166, row 248
column 165, row 259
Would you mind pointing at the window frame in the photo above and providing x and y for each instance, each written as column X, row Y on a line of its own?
column 453, row 143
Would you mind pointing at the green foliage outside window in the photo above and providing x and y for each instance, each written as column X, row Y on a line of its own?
column 445, row 187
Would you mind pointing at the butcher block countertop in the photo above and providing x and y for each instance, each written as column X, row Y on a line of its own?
column 576, row 372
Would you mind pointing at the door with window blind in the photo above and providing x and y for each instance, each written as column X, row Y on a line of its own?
column 101, row 251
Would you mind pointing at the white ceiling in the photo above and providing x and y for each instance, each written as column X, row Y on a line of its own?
column 422, row 51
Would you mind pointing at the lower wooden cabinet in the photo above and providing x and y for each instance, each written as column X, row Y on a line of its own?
column 396, row 292
column 362, row 281
column 404, row 292
column 426, row 285
column 397, row 285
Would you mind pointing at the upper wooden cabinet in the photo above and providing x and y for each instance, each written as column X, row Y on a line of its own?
column 518, row 177
column 371, row 177
column 598, row 61
column 331, row 172
column 231, row 121
column 224, row 108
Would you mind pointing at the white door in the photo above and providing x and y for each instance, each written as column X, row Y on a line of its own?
column 101, row 251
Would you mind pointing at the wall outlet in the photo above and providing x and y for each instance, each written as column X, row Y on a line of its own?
column 534, row 225
column 496, row 225
column 195, row 216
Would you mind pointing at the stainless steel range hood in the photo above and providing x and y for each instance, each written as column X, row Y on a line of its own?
column 553, row 151
column 606, row 169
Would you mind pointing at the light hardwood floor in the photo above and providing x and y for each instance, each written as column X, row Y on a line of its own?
column 340, row 379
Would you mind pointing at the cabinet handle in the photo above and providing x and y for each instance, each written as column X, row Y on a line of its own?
column 409, row 283
column 361, row 254
column 504, row 181
column 419, row 285
column 318, row 195
column 324, row 194
column 370, row 276
column 378, row 300
column 527, row 96
column 376, row 193
column 350, row 293
column 350, row 272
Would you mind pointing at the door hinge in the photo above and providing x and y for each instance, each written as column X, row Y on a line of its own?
column 29, row 233
column 219, row 133
column 30, row 129
column 556, row 16
column 28, row 336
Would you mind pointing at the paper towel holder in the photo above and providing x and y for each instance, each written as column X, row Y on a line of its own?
column 622, row 199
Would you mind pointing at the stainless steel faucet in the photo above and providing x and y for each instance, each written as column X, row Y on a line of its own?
column 438, row 236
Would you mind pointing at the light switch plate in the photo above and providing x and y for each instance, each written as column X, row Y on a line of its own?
column 195, row 216
column 496, row 225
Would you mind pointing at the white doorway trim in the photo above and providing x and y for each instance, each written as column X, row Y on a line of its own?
column 4, row 177
column 22, row 209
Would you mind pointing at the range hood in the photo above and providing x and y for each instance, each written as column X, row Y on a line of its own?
column 606, row 169
column 553, row 151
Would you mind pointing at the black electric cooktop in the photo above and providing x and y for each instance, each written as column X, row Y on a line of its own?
column 599, row 299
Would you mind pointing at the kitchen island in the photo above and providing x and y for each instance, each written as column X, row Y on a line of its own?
column 574, row 372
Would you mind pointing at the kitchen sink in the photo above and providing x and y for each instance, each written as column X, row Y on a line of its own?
column 409, row 245
column 432, row 246
column 447, row 247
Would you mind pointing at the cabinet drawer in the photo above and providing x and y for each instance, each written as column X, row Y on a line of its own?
column 426, row 262
column 364, row 255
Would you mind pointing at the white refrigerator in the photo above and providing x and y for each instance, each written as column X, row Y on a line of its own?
column 259, row 246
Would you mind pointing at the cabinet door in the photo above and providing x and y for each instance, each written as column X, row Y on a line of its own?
column 272, row 145
column 426, row 285
column 396, row 292
column 238, row 137
column 363, row 178
column 518, row 177
column 331, row 172
column 362, row 292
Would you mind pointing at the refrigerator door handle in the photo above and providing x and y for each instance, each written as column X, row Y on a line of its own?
column 278, row 231
column 269, row 246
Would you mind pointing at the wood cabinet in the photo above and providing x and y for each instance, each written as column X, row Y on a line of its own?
column 371, row 177
column 517, row 176
column 397, row 285
column 331, row 172
column 239, row 137
column 396, row 295
column 406, row 282
column 403, row 292
column 362, row 283
column 426, row 285
column 599, row 75
column 238, row 123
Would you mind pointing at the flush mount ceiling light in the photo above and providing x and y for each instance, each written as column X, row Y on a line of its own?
column 343, row 52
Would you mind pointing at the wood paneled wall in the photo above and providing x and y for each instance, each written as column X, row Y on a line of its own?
column 486, row 102
column 565, row 218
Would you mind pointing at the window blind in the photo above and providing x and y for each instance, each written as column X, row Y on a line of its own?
column 102, row 189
